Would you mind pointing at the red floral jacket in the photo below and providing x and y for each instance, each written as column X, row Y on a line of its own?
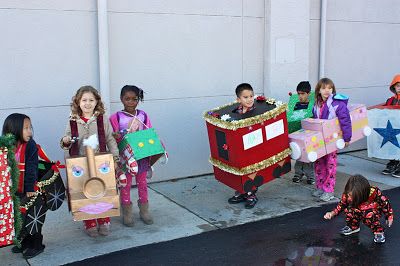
column 376, row 202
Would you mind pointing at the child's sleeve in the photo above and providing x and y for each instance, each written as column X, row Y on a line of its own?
column 114, row 122
column 384, row 204
column 343, row 115
column 66, row 148
column 147, row 121
column 343, row 203
column 110, row 140
column 31, row 166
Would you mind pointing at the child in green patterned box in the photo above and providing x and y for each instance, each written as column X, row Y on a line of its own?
column 300, row 168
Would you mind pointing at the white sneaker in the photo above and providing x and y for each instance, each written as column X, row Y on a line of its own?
column 326, row 196
column 317, row 193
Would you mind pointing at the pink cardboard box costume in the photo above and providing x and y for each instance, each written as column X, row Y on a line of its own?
column 321, row 136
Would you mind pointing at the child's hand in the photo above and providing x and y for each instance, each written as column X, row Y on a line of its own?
column 329, row 215
column 121, row 180
column 346, row 144
column 389, row 222
column 66, row 140
column 117, row 135
column 30, row 194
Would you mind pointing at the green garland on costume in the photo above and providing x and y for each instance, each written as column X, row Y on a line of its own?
column 8, row 141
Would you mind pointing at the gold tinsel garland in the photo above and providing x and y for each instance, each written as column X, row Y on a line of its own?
column 40, row 185
column 234, row 125
column 251, row 168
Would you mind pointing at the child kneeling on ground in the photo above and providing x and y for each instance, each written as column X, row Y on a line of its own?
column 363, row 202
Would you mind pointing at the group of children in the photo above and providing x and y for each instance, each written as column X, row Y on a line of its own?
column 360, row 201
column 87, row 118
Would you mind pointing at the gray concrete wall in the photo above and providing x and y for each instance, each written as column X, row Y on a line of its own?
column 48, row 49
column 188, row 56
column 362, row 47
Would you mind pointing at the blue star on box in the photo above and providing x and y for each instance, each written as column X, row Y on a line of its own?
column 389, row 134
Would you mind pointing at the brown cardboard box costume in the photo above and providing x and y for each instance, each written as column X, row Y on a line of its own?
column 92, row 186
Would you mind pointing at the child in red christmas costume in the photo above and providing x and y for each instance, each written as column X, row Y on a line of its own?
column 245, row 96
column 26, row 155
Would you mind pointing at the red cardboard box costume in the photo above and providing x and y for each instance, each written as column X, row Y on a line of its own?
column 248, row 150
column 20, row 218
column 8, row 174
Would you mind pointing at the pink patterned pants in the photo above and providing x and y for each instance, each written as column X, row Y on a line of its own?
column 325, row 172
column 125, row 192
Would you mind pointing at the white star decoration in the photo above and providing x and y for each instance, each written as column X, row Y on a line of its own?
column 36, row 223
column 56, row 198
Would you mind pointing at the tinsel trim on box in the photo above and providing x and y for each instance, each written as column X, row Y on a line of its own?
column 251, row 168
column 236, row 124
column 8, row 142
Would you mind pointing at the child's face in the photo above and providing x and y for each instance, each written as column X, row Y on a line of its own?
column 325, row 92
column 27, row 130
column 130, row 101
column 246, row 98
column 303, row 96
column 397, row 88
column 87, row 104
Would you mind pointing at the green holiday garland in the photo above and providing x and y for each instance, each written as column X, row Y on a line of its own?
column 8, row 141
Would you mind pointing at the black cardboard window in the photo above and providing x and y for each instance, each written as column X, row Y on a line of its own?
column 221, row 141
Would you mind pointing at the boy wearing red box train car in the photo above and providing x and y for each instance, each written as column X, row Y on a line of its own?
column 245, row 96
column 393, row 166
column 329, row 105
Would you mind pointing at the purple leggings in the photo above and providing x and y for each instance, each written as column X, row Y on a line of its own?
column 325, row 172
column 125, row 192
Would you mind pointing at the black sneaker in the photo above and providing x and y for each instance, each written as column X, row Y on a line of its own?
column 348, row 231
column 310, row 181
column 31, row 252
column 396, row 173
column 16, row 249
column 391, row 167
column 237, row 198
column 296, row 179
column 379, row 238
column 251, row 202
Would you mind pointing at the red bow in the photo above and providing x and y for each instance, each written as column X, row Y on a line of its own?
column 55, row 167
column 260, row 98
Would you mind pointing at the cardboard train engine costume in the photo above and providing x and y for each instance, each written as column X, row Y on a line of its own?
column 23, row 217
column 248, row 150
column 319, row 137
column 92, row 186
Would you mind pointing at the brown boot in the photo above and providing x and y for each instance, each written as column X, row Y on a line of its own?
column 144, row 213
column 104, row 229
column 127, row 215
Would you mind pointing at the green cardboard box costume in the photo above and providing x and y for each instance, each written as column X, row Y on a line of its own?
column 294, row 117
column 141, row 144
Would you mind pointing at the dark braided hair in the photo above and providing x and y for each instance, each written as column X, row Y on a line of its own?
column 138, row 91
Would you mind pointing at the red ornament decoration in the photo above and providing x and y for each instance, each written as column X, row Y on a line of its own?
column 260, row 98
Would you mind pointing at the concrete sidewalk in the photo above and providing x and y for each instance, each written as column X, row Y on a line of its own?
column 187, row 207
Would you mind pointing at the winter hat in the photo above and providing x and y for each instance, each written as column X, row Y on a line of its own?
column 304, row 86
column 395, row 80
